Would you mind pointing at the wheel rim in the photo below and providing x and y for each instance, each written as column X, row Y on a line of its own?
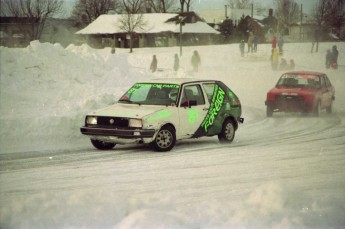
column 164, row 138
column 229, row 131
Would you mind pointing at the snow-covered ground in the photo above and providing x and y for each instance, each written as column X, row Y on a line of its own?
column 281, row 172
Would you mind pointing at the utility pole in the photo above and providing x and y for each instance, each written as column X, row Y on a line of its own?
column 300, row 28
column 226, row 11
column 252, row 10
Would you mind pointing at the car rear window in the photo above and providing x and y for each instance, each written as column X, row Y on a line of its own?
column 299, row 80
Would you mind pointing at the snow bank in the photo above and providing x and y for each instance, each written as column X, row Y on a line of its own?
column 46, row 90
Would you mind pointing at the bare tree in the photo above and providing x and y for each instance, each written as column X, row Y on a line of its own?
column 133, row 6
column 329, row 13
column 161, row 6
column 133, row 19
column 287, row 13
column 86, row 11
column 239, row 4
column 36, row 12
column 187, row 3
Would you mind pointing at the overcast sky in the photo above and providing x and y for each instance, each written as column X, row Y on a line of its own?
column 211, row 4
column 218, row 4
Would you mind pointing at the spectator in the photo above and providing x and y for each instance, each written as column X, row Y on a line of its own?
column 255, row 42
column 274, row 42
column 153, row 66
column 281, row 44
column 274, row 58
column 176, row 62
column 250, row 42
column 196, row 61
column 242, row 48
column 283, row 64
column 292, row 64
column 334, row 57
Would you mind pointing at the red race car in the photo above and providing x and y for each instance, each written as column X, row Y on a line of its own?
column 301, row 91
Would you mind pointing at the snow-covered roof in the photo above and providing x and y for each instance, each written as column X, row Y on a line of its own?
column 155, row 23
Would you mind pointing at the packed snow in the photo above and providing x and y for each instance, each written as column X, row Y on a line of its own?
column 281, row 172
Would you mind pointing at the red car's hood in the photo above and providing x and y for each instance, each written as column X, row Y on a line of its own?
column 292, row 90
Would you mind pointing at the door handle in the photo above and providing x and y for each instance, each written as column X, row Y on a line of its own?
column 205, row 109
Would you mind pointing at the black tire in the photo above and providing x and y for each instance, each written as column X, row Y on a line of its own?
column 165, row 139
column 102, row 145
column 269, row 112
column 227, row 134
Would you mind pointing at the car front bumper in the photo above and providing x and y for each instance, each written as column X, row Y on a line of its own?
column 289, row 105
column 119, row 135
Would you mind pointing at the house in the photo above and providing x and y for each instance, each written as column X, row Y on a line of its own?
column 15, row 31
column 160, row 29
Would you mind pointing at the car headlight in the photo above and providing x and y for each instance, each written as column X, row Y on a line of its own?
column 91, row 120
column 135, row 123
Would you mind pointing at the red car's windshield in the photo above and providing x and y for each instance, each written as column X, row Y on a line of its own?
column 299, row 80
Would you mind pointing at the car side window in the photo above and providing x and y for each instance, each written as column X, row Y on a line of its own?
column 209, row 89
column 322, row 82
column 192, row 93
column 328, row 83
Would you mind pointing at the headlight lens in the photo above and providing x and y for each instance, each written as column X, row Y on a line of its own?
column 135, row 123
column 91, row 120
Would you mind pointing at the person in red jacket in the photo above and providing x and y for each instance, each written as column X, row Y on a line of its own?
column 274, row 42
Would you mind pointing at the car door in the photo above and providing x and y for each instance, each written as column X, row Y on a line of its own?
column 326, row 93
column 192, row 109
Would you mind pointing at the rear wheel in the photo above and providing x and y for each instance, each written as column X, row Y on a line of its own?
column 165, row 139
column 227, row 134
column 102, row 145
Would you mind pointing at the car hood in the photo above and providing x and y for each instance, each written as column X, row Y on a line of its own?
column 127, row 110
column 292, row 90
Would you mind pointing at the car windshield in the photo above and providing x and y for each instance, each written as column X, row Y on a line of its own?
column 151, row 94
column 299, row 80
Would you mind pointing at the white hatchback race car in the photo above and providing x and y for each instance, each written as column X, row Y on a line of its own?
column 161, row 111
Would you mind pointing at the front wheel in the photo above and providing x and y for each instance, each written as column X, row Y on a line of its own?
column 227, row 134
column 165, row 139
column 102, row 145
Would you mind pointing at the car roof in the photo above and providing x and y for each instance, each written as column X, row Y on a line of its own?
column 176, row 80
column 306, row 72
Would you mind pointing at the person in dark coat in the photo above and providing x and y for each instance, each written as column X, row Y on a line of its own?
column 176, row 62
column 195, row 60
column 334, row 57
column 153, row 66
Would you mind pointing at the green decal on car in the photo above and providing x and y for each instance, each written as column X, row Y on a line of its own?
column 160, row 86
column 160, row 115
column 193, row 116
column 216, row 105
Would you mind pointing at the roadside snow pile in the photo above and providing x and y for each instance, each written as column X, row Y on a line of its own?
column 46, row 89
